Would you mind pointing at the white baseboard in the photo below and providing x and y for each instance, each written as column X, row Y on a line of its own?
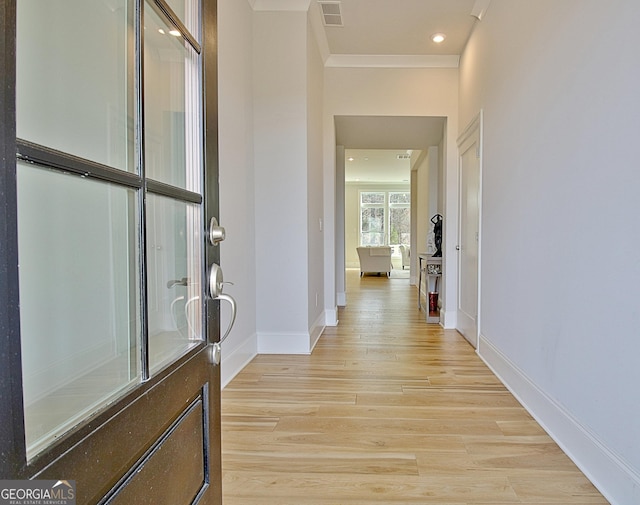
column 331, row 317
column 448, row 319
column 269, row 343
column 235, row 360
column 617, row 481
column 316, row 330
column 283, row 343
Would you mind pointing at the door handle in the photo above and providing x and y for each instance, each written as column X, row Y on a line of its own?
column 216, row 233
column 232, row 302
column 216, row 284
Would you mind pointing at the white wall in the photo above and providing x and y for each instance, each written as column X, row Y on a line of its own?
column 236, row 174
column 315, row 194
column 395, row 92
column 340, row 235
column 280, row 129
column 428, row 203
column 414, row 273
column 560, row 265
column 434, row 177
column 270, row 121
column 442, row 149
column 422, row 216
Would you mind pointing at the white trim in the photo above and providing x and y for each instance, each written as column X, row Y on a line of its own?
column 234, row 361
column 316, row 330
column 613, row 477
column 473, row 129
column 283, row 343
column 480, row 205
column 341, row 298
column 480, row 8
column 331, row 317
column 392, row 61
column 475, row 124
column 448, row 319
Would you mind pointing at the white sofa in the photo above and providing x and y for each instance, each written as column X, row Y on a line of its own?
column 374, row 259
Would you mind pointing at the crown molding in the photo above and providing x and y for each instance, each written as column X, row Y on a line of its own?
column 479, row 9
column 392, row 61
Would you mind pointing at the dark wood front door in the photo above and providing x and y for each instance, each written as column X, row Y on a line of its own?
column 109, row 175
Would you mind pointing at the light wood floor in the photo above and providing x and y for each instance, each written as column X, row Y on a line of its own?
column 387, row 410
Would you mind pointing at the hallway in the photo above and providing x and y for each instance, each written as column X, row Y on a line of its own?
column 386, row 410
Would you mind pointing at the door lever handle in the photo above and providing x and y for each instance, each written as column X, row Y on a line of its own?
column 215, row 291
column 216, row 348
column 231, row 301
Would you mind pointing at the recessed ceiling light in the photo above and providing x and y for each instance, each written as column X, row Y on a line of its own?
column 350, row 159
column 438, row 38
column 175, row 33
column 161, row 31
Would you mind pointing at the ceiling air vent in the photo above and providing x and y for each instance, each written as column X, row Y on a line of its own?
column 331, row 13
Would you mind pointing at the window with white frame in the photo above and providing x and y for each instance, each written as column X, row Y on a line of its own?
column 385, row 217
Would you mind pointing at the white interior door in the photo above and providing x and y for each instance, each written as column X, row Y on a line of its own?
column 469, row 163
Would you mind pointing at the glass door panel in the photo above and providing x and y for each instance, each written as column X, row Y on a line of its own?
column 74, row 89
column 82, row 310
column 172, row 132
column 174, row 285
column 78, row 298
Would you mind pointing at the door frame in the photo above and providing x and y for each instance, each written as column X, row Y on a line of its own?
column 475, row 127
column 13, row 457
column 12, row 434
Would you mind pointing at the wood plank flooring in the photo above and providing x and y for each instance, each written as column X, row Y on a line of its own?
column 387, row 410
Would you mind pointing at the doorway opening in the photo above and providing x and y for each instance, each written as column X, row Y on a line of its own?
column 389, row 180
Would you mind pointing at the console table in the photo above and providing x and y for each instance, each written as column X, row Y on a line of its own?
column 429, row 271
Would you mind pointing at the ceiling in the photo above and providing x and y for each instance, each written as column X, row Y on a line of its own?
column 378, row 165
column 393, row 29
column 400, row 27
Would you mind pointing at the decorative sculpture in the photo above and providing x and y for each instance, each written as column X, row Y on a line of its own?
column 437, row 231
